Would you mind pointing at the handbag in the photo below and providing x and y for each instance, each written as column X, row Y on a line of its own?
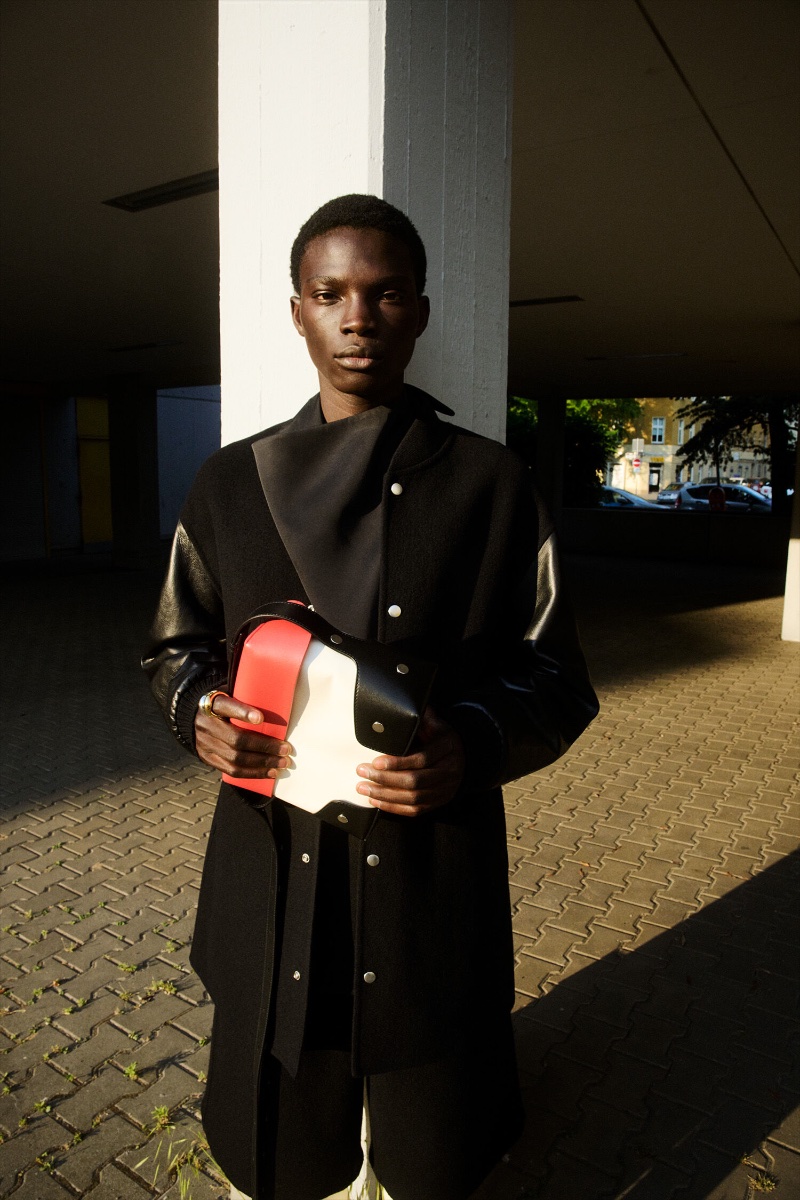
column 339, row 700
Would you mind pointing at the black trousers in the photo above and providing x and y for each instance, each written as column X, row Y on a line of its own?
column 436, row 1130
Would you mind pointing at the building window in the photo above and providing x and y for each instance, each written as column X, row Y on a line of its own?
column 657, row 434
column 681, row 431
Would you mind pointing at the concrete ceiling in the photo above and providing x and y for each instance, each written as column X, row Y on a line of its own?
column 682, row 241
column 101, row 98
column 656, row 174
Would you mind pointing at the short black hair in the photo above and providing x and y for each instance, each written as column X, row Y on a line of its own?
column 360, row 212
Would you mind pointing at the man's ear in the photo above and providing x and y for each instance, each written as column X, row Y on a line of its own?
column 424, row 314
column 297, row 320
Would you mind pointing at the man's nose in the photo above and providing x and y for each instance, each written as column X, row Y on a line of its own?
column 358, row 315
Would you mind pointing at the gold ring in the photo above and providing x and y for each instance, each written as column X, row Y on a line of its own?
column 206, row 702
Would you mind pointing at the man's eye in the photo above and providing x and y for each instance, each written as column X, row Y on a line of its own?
column 392, row 296
column 324, row 295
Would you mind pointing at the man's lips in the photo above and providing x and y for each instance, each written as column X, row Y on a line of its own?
column 357, row 358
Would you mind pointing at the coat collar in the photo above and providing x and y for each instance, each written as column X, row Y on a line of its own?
column 324, row 484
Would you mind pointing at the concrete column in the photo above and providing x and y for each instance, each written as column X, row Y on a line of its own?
column 406, row 99
column 790, row 631
column 552, row 412
column 133, row 448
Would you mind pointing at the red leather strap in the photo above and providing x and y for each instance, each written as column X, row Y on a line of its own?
column 266, row 678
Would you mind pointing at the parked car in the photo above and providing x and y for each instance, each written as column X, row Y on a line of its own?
column 668, row 494
column 694, row 497
column 618, row 498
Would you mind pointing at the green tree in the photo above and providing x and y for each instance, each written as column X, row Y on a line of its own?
column 765, row 425
column 618, row 416
column 592, row 434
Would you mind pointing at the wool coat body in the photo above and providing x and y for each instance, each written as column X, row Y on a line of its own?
column 467, row 554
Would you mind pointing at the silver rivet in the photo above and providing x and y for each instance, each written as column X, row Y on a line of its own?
column 372, row 860
column 336, row 638
column 369, row 977
column 377, row 726
column 343, row 819
column 402, row 669
column 394, row 610
column 397, row 489
column 306, row 857
column 296, row 975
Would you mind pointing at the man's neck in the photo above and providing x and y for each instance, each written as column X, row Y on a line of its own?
column 336, row 405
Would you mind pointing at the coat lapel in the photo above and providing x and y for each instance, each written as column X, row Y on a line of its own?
column 325, row 485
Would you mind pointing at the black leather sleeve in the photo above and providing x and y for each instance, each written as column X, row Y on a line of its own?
column 541, row 698
column 186, row 651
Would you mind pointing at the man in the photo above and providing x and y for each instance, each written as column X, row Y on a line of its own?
column 373, row 967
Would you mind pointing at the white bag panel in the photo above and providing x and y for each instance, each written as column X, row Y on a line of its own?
column 322, row 734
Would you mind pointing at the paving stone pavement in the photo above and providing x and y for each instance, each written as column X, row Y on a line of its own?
column 652, row 872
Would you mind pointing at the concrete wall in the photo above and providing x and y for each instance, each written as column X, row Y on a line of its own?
column 39, row 492
column 63, row 488
column 188, row 432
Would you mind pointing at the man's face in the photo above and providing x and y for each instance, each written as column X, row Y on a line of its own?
column 359, row 312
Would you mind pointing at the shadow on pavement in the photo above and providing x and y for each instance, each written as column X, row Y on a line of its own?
column 657, row 1069
column 646, row 618
column 81, row 708
column 659, row 588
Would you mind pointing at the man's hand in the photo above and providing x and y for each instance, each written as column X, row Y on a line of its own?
column 235, row 751
column 419, row 782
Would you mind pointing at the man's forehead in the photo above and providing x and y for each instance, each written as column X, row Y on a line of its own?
column 368, row 249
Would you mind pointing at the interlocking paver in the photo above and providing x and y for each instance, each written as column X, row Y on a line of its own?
column 39, row 1185
column 79, row 1023
column 171, row 1088
column 40, row 1136
column 590, row 1040
column 115, row 1185
column 82, row 1058
column 98, row 1145
column 570, row 1176
column 165, row 1046
column 105, row 1089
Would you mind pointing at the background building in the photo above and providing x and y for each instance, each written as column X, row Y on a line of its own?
column 650, row 460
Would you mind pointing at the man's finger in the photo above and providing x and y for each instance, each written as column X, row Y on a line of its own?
column 422, row 760
column 406, row 804
column 242, row 739
column 227, row 708
column 407, row 781
column 245, row 766
column 405, row 810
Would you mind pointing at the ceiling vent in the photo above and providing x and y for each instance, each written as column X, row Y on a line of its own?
column 544, row 300
column 168, row 193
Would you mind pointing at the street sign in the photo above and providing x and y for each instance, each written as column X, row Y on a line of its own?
column 637, row 462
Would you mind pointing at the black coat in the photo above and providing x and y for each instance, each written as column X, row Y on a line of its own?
column 468, row 554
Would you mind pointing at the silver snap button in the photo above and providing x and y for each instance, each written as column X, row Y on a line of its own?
column 377, row 726
column 337, row 639
column 369, row 977
column 397, row 489
column 296, row 975
column 306, row 857
column 394, row 610
column 402, row 669
column 342, row 818
column 372, row 860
